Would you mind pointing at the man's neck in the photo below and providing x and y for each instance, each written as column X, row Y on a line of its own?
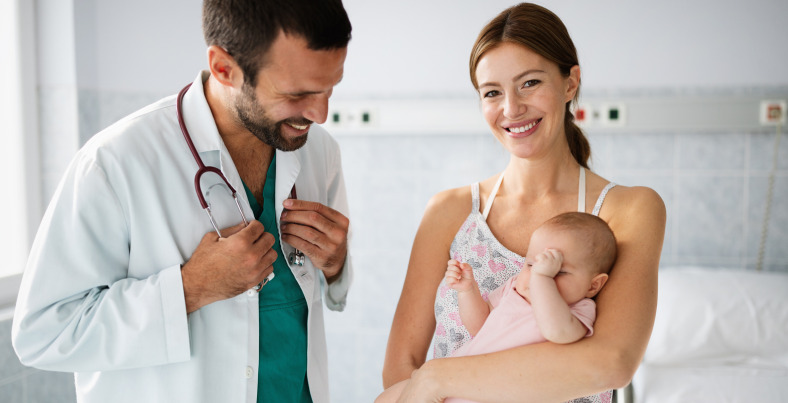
column 250, row 155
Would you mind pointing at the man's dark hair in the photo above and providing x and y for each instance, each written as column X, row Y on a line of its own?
column 247, row 28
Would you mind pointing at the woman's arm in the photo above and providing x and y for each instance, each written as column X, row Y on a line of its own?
column 607, row 360
column 414, row 320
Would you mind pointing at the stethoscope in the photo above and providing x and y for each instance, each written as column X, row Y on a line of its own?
column 296, row 257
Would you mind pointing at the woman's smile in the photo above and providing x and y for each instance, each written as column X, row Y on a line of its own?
column 522, row 129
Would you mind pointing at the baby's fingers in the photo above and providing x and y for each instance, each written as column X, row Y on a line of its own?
column 467, row 270
column 554, row 254
column 452, row 274
column 454, row 270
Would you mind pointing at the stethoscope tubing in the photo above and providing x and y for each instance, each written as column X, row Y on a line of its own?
column 296, row 257
column 202, row 169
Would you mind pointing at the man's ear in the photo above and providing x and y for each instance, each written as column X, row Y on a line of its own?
column 224, row 68
column 596, row 284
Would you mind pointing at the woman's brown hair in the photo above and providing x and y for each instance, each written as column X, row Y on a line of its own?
column 540, row 30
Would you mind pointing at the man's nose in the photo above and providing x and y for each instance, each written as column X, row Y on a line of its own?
column 317, row 109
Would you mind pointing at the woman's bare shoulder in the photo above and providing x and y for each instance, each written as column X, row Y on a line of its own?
column 450, row 205
column 445, row 213
column 633, row 204
column 636, row 196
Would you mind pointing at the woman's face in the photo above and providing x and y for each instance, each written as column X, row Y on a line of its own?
column 524, row 98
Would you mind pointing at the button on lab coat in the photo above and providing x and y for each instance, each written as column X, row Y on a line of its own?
column 102, row 294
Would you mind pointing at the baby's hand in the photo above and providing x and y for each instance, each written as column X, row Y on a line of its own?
column 459, row 276
column 548, row 263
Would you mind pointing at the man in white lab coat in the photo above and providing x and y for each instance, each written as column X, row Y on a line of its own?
column 129, row 285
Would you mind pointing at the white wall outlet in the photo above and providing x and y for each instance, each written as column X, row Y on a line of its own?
column 364, row 117
column 772, row 112
column 613, row 114
column 351, row 117
column 584, row 114
column 337, row 117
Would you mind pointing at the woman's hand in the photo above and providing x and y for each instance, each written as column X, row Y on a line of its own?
column 423, row 387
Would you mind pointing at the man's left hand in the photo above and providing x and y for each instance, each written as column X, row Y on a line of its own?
column 318, row 231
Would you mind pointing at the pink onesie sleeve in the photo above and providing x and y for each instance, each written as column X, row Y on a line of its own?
column 585, row 311
column 495, row 295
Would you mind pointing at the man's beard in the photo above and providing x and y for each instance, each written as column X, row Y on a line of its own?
column 265, row 129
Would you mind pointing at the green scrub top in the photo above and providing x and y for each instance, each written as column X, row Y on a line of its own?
column 283, row 317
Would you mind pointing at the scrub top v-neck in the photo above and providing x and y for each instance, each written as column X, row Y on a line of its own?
column 283, row 316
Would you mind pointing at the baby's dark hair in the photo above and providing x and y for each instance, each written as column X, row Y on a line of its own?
column 594, row 231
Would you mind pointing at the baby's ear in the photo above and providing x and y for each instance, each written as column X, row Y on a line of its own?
column 596, row 284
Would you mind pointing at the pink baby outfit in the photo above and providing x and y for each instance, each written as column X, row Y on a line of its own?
column 493, row 264
column 511, row 323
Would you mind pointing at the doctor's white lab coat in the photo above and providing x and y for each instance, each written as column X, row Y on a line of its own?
column 102, row 294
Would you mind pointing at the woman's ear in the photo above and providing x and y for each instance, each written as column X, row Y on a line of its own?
column 223, row 67
column 573, row 83
column 596, row 284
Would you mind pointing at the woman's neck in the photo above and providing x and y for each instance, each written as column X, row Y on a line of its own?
column 541, row 177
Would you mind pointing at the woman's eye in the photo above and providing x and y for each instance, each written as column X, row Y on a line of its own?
column 530, row 83
column 490, row 94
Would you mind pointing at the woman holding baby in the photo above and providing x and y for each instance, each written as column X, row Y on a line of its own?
column 525, row 69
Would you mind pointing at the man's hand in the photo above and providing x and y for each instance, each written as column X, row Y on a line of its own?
column 548, row 263
column 459, row 276
column 221, row 268
column 318, row 231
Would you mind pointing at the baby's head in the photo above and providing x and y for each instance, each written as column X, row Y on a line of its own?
column 588, row 247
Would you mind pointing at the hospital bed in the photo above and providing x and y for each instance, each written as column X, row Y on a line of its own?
column 720, row 335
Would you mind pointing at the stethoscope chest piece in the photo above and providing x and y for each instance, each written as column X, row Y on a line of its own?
column 296, row 258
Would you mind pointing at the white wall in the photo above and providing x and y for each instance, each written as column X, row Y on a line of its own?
column 18, row 205
column 418, row 47
column 143, row 45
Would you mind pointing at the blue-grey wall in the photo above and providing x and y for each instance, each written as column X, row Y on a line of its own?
column 19, row 384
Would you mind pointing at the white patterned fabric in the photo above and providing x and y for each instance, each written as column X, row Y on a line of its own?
column 493, row 264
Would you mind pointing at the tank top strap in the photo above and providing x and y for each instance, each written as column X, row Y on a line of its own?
column 601, row 199
column 475, row 196
column 491, row 198
column 581, row 191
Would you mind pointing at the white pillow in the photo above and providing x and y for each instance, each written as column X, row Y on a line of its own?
column 720, row 317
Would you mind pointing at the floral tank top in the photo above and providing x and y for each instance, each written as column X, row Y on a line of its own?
column 492, row 265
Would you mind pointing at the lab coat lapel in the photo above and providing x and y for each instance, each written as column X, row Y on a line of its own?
column 207, row 140
column 288, row 166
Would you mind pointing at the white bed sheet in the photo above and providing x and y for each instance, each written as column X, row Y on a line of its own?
column 720, row 335
column 669, row 384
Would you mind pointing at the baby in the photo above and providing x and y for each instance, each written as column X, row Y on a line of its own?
column 567, row 263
